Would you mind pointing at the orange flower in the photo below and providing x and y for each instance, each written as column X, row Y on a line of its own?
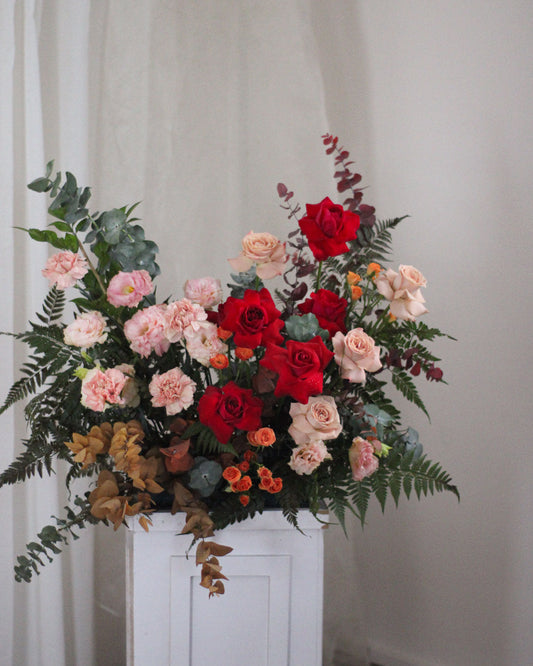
column 357, row 292
column 244, row 466
column 276, row 485
column 242, row 485
column 231, row 474
column 249, row 455
column 264, row 473
column 244, row 499
column 391, row 317
column 243, row 353
column 219, row 362
column 373, row 269
column 223, row 335
column 262, row 437
column 266, row 483
column 353, row 278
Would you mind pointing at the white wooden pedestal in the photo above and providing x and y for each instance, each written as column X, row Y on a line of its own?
column 270, row 615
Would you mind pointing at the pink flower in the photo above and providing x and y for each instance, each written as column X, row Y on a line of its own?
column 319, row 418
column 362, row 459
column 101, row 388
column 173, row 390
column 179, row 315
column 307, row 457
column 64, row 268
column 128, row 289
column 403, row 290
column 86, row 330
column 356, row 354
column 203, row 343
column 265, row 251
column 145, row 331
column 206, row 291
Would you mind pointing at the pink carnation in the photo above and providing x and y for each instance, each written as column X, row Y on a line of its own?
column 356, row 354
column 101, row 388
column 203, row 342
column 206, row 291
column 128, row 289
column 64, row 269
column 145, row 331
column 179, row 315
column 86, row 330
column 362, row 459
column 307, row 457
column 173, row 390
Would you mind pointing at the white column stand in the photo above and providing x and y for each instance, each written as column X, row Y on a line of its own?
column 270, row 615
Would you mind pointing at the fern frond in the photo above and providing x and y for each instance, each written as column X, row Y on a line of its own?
column 404, row 383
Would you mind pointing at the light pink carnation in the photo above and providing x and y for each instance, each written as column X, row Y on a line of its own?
column 206, row 291
column 355, row 353
column 64, row 268
column 402, row 289
column 173, row 390
column 203, row 343
column 265, row 251
column 307, row 457
column 128, row 289
column 86, row 330
column 179, row 315
column 362, row 459
column 101, row 388
column 318, row 419
column 146, row 331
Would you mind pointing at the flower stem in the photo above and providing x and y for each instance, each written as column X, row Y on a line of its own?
column 318, row 276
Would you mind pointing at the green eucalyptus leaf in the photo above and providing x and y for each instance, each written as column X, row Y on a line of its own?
column 113, row 223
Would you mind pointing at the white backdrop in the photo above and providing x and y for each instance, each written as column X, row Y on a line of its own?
column 199, row 109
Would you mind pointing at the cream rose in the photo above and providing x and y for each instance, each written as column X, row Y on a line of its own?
column 318, row 419
column 356, row 353
column 86, row 330
column 403, row 291
column 265, row 251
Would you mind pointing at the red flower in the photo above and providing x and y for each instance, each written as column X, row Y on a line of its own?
column 300, row 367
column 328, row 227
column 328, row 308
column 224, row 409
column 254, row 319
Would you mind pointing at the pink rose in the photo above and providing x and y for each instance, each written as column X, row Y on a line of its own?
column 362, row 459
column 403, row 290
column 206, row 291
column 145, row 331
column 355, row 354
column 307, row 457
column 179, row 315
column 128, row 289
column 319, row 418
column 64, row 268
column 86, row 330
column 203, row 343
column 265, row 251
column 173, row 390
column 101, row 388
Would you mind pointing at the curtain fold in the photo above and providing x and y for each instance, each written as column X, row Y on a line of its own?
column 199, row 110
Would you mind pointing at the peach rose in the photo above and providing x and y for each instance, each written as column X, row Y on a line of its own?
column 362, row 459
column 307, row 457
column 173, row 390
column 206, row 291
column 203, row 343
column 265, row 251
column 128, row 289
column 145, row 331
column 261, row 437
column 402, row 289
column 318, row 419
column 355, row 354
column 63, row 269
column 86, row 330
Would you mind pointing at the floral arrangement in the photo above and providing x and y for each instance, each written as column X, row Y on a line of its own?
column 224, row 402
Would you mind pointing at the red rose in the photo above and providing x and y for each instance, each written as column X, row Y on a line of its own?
column 300, row 367
column 254, row 319
column 328, row 308
column 224, row 409
column 328, row 227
